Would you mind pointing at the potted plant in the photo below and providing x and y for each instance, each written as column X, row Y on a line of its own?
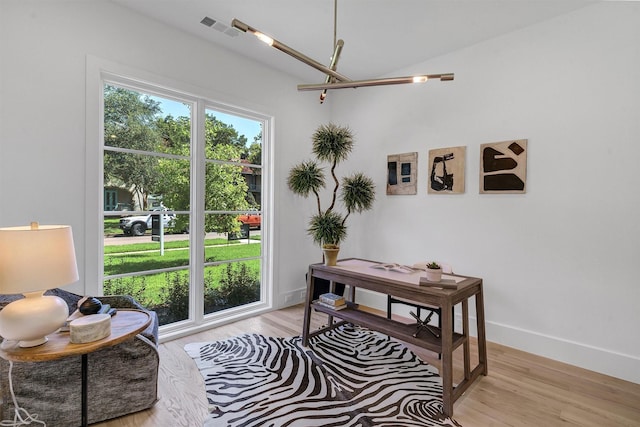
column 331, row 144
column 434, row 271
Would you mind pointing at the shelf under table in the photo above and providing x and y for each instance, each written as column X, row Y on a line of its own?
column 399, row 330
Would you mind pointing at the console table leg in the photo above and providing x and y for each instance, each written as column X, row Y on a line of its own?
column 466, row 345
column 447, row 359
column 482, row 338
column 85, row 378
column 307, row 308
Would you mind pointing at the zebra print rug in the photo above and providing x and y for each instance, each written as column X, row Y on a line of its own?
column 349, row 376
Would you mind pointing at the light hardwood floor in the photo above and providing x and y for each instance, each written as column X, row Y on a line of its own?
column 520, row 390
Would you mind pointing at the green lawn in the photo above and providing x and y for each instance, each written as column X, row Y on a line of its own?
column 151, row 246
column 152, row 288
column 144, row 260
column 111, row 226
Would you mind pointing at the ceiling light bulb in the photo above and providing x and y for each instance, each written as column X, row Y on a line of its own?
column 263, row 37
column 420, row 79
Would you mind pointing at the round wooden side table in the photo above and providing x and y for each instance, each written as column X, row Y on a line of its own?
column 125, row 324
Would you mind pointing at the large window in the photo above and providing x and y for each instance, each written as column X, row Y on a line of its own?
column 183, row 205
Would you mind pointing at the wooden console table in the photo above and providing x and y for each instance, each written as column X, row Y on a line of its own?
column 357, row 273
column 124, row 325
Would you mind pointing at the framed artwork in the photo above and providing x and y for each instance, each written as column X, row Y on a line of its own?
column 503, row 167
column 402, row 174
column 446, row 170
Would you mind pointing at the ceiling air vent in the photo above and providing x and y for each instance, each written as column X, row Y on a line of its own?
column 217, row 25
column 208, row 21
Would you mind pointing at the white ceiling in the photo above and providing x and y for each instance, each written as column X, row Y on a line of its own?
column 380, row 35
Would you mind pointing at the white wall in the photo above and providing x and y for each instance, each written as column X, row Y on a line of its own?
column 44, row 47
column 559, row 263
column 569, row 86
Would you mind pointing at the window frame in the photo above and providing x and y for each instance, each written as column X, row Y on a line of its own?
column 99, row 73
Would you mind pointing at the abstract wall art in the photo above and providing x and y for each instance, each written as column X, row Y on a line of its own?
column 503, row 167
column 446, row 170
column 402, row 174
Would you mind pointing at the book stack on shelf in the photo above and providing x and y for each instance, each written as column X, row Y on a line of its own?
column 332, row 301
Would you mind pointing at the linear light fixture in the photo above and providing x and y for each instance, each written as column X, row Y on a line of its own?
column 286, row 49
column 333, row 65
column 334, row 80
column 376, row 82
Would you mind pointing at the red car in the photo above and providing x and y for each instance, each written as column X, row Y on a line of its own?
column 252, row 219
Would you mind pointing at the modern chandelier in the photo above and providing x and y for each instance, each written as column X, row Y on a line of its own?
column 334, row 79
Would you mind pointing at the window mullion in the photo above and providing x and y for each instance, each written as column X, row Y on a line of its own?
column 196, row 218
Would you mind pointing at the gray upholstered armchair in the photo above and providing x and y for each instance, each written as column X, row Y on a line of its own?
column 121, row 379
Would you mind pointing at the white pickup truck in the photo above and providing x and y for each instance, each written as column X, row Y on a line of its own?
column 138, row 225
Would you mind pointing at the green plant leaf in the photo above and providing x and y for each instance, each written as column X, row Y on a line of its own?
column 332, row 143
column 358, row 192
column 305, row 178
column 327, row 228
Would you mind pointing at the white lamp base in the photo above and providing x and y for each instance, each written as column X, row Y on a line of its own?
column 31, row 319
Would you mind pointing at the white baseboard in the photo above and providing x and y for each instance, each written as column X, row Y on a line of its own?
column 604, row 361
column 294, row 297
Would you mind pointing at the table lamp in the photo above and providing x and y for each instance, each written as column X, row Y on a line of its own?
column 33, row 259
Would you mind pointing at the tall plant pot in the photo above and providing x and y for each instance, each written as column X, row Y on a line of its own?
column 330, row 255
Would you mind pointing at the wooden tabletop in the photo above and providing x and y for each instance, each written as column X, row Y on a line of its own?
column 360, row 273
column 124, row 325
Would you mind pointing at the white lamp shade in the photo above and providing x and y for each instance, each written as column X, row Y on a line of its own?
column 35, row 258
column 32, row 260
